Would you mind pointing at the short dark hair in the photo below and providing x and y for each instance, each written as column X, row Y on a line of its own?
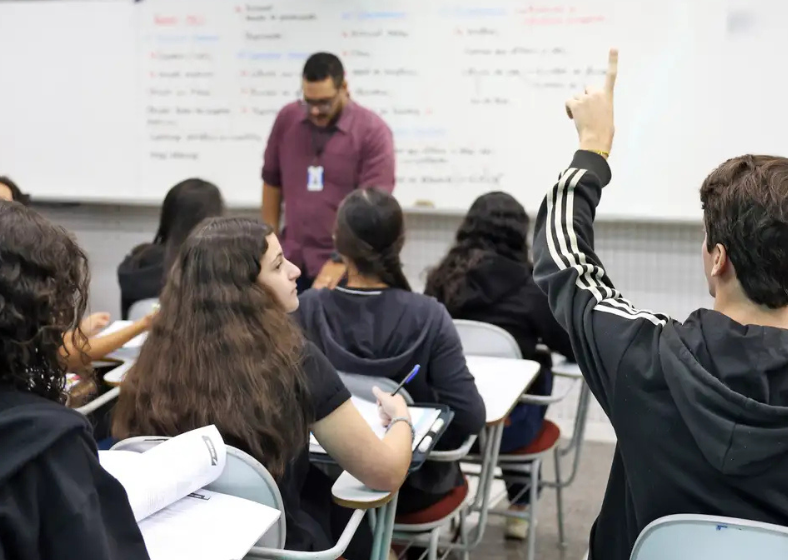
column 16, row 193
column 370, row 231
column 745, row 209
column 43, row 295
column 324, row 65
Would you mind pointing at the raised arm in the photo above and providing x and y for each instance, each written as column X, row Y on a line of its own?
column 601, row 324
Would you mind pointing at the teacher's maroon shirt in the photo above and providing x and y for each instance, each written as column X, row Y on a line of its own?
column 358, row 152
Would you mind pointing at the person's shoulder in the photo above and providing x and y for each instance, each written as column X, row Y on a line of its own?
column 22, row 406
column 311, row 296
column 326, row 389
column 142, row 256
column 425, row 307
column 369, row 119
column 290, row 113
column 31, row 426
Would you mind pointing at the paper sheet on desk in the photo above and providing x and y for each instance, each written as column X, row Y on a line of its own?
column 422, row 418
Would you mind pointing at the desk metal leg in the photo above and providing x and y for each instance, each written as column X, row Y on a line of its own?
column 384, row 527
column 390, row 515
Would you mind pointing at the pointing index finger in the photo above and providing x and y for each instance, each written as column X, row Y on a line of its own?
column 612, row 70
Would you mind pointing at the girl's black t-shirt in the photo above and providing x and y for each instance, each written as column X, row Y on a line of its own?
column 308, row 512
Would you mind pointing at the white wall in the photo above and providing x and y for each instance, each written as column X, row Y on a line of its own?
column 656, row 266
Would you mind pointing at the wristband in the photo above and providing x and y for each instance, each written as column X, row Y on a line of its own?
column 601, row 153
column 335, row 257
column 408, row 422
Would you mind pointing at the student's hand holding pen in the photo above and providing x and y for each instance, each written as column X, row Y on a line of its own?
column 390, row 406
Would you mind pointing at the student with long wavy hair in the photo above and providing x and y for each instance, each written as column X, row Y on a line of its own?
column 56, row 501
column 223, row 350
column 142, row 273
column 375, row 325
column 487, row 276
column 94, row 346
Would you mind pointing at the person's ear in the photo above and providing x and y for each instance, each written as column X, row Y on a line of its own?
column 343, row 87
column 720, row 261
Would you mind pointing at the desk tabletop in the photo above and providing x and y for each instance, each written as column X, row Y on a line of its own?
column 500, row 382
column 349, row 492
column 115, row 376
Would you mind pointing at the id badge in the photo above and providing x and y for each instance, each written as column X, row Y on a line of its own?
column 314, row 180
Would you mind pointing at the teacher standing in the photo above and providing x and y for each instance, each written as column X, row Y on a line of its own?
column 321, row 148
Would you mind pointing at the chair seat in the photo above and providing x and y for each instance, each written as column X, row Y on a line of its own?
column 437, row 511
column 545, row 440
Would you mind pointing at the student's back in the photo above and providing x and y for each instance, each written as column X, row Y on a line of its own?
column 55, row 499
column 376, row 326
column 385, row 333
column 700, row 408
column 142, row 273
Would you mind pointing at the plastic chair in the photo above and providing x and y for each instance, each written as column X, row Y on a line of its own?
column 523, row 465
column 245, row 477
column 692, row 536
column 483, row 339
column 142, row 308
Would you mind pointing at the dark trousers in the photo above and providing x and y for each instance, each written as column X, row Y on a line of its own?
column 523, row 425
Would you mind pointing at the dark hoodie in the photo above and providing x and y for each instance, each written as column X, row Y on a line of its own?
column 502, row 292
column 700, row 409
column 56, row 502
column 141, row 276
column 385, row 333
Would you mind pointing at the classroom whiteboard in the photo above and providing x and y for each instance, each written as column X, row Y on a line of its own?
column 118, row 101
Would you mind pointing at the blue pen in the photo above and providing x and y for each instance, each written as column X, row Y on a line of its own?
column 405, row 381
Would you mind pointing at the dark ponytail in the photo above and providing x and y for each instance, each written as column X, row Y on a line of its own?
column 370, row 231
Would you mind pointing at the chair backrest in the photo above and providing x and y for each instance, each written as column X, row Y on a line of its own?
column 483, row 339
column 243, row 476
column 142, row 308
column 361, row 386
column 691, row 536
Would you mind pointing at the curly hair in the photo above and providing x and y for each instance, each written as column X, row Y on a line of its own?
column 496, row 224
column 745, row 209
column 221, row 351
column 16, row 193
column 44, row 282
column 370, row 231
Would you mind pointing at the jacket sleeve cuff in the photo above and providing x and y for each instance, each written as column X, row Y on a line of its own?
column 594, row 163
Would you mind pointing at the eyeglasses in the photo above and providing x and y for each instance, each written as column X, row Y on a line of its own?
column 322, row 105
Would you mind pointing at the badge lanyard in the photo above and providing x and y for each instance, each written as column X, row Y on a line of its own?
column 314, row 181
